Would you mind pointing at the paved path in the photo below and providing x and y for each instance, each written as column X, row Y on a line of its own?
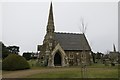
column 24, row 73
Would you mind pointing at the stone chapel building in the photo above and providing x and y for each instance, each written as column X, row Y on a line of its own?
column 63, row 49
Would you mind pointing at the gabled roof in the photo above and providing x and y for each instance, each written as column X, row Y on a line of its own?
column 72, row 41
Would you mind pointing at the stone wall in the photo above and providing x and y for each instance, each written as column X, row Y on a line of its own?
column 75, row 57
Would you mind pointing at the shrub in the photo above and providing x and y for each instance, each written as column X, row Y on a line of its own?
column 15, row 62
column 27, row 56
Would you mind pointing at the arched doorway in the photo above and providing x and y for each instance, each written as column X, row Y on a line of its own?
column 57, row 59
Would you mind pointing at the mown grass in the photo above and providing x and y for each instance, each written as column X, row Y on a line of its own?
column 103, row 73
column 94, row 71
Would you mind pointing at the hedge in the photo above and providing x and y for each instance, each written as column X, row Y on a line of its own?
column 15, row 62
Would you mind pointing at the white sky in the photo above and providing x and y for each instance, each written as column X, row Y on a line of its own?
column 24, row 23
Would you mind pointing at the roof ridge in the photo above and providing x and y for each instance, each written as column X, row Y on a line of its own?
column 67, row 33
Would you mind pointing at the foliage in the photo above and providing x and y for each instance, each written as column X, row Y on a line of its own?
column 5, row 51
column 15, row 62
column 34, row 63
column 93, row 57
column 99, row 55
column 30, row 55
column 0, row 49
column 119, row 58
column 13, row 49
column 0, row 64
column 27, row 56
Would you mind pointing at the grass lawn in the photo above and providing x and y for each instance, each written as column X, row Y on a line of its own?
column 94, row 71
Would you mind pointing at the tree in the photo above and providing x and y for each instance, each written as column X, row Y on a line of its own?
column 93, row 57
column 27, row 55
column 0, row 49
column 83, row 26
column 5, row 51
column 119, row 58
column 13, row 49
column 99, row 55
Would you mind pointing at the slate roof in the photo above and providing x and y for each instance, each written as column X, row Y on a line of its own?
column 72, row 41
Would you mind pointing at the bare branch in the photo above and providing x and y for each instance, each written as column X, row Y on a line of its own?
column 83, row 26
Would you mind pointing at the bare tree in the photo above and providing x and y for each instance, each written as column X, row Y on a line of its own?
column 83, row 26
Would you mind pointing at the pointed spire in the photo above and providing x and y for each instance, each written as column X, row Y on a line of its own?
column 50, row 25
column 50, row 19
column 114, row 48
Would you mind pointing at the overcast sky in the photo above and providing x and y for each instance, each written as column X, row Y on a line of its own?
column 24, row 23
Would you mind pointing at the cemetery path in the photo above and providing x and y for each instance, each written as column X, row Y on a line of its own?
column 24, row 73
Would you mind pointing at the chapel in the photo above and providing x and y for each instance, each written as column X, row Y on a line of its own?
column 63, row 49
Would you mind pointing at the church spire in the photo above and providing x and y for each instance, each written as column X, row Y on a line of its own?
column 50, row 25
